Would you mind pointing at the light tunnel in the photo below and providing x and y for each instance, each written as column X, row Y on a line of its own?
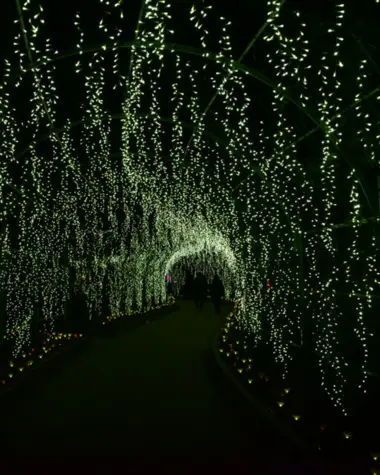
column 131, row 155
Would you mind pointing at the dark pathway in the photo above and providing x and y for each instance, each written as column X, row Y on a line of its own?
column 153, row 394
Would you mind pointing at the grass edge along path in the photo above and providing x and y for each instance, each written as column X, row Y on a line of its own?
column 221, row 349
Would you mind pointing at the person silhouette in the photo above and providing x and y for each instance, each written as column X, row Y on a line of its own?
column 200, row 291
column 217, row 292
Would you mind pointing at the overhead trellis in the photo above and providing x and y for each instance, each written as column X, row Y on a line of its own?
column 194, row 175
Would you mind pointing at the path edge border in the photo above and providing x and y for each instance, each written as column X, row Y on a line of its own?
column 263, row 410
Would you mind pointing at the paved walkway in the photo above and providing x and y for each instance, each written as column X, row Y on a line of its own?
column 153, row 394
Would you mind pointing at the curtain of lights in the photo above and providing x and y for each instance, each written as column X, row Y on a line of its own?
column 174, row 194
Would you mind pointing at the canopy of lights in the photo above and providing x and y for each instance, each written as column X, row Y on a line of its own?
column 240, row 203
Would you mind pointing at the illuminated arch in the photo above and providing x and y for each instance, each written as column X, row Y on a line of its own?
column 218, row 245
